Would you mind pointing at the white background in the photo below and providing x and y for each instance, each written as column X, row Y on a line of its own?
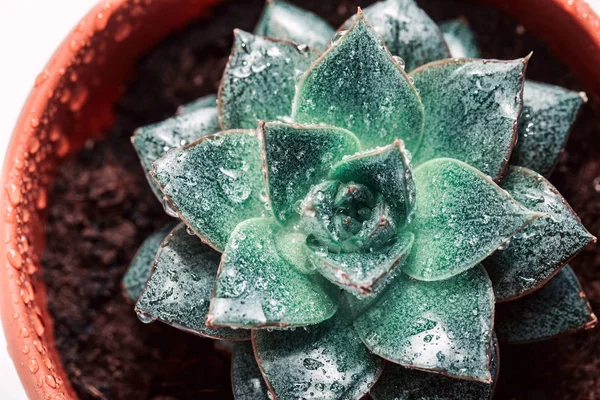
column 30, row 30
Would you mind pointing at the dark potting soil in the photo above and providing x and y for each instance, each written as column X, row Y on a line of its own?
column 102, row 209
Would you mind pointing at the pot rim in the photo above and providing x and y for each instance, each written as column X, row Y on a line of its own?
column 73, row 96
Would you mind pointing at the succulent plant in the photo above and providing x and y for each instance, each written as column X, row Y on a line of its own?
column 307, row 227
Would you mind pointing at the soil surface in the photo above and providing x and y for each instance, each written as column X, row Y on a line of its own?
column 102, row 209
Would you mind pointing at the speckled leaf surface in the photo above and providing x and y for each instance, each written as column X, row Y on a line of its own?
column 471, row 111
column 399, row 383
column 460, row 38
column 154, row 141
column 461, row 217
column 325, row 361
column 443, row 326
column 297, row 157
column 358, row 86
column 209, row 101
column 215, row 183
column 559, row 307
column 536, row 253
column 548, row 114
column 246, row 378
column 385, row 170
column 407, row 31
column 256, row 287
column 139, row 270
column 283, row 20
column 362, row 273
column 179, row 289
column 259, row 80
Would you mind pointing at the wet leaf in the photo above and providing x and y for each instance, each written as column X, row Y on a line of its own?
column 325, row 361
column 558, row 308
column 536, row 253
column 154, row 141
column 179, row 289
column 407, row 31
column 358, row 86
column 548, row 114
column 386, row 171
column 297, row 157
column 246, row 378
column 471, row 111
column 256, row 287
column 460, row 39
column 209, row 101
column 399, row 383
column 443, row 326
column 259, row 80
column 362, row 273
column 461, row 218
column 139, row 270
column 283, row 20
column 214, row 184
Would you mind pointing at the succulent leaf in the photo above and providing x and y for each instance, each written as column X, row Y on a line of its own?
column 179, row 289
column 548, row 114
column 298, row 156
column 259, row 81
column 283, row 20
column 154, row 141
column 461, row 217
column 558, row 308
column 460, row 39
column 472, row 109
column 215, row 183
column 325, row 361
column 443, row 326
column 139, row 270
column 357, row 85
column 536, row 253
column 256, row 287
column 386, row 171
column 400, row 383
column 246, row 378
column 407, row 31
column 209, row 101
column 362, row 273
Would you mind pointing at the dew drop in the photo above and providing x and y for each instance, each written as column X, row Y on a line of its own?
column 337, row 36
column 25, row 349
column 50, row 381
column 123, row 31
column 100, row 21
column 33, row 366
column 190, row 231
column 400, row 61
column 168, row 207
column 15, row 259
column 24, row 332
column 38, row 325
column 14, row 196
column 16, row 315
column 41, row 78
column 145, row 318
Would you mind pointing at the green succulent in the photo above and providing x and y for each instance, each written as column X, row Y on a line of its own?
column 308, row 227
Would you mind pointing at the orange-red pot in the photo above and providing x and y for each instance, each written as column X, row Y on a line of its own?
column 74, row 96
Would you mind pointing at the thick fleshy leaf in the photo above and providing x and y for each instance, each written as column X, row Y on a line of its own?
column 215, row 183
column 325, row 361
column 460, row 39
column 283, row 20
column 257, row 287
column 246, row 378
column 362, row 273
column 558, row 308
column 442, row 327
column 386, row 171
column 139, row 270
column 297, row 157
column 179, row 289
column 400, row 383
column 471, row 111
column 154, row 141
column 407, row 31
column 209, row 101
column 357, row 85
column 259, row 80
column 548, row 114
column 461, row 218
column 536, row 253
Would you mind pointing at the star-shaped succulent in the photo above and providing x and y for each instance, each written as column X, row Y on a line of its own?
column 302, row 207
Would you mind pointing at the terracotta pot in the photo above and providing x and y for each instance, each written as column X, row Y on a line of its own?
column 73, row 98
